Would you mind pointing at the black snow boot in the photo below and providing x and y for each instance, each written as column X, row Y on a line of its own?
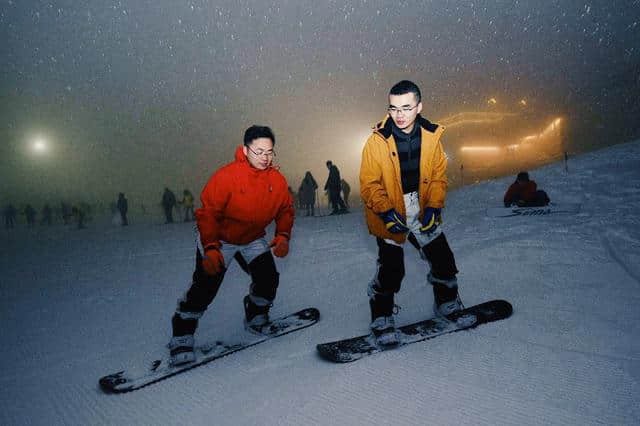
column 255, row 316
column 382, row 321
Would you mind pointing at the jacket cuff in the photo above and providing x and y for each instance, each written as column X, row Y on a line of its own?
column 211, row 246
column 284, row 234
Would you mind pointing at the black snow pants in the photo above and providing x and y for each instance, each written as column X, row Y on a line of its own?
column 204, row 287
column 391, row 262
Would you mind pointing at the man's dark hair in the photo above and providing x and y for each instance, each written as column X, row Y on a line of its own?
column 523, row 177
column 255, row 132
column 404, row 87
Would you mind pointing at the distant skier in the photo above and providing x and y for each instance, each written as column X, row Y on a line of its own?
column 406, row 205
column 10, row 213
column 47, row 215
column 168, row 203
column 346, row 190
column 80, row 214
column 238, row 202
column 307, row 193
column 333, row 187
column 525, row 193
column 65, row 211
column 187, row 204
column 30, row 214
column 123, row 208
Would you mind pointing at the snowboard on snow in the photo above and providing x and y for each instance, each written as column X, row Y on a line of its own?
column 128, row 380
column 564, row 208
column 352, row 349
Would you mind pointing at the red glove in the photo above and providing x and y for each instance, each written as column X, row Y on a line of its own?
column 280, row 245
column 213, row 261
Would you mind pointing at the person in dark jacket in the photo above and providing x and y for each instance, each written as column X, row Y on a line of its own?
column 30, row 214
column 47, row 215
column 65, row 212
column 10, row 213
column 123, row 207
column 333, row 186
column 168, row 203
column 307, row 193
column 525, row 193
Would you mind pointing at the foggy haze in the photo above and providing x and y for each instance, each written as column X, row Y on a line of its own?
column 133, row 96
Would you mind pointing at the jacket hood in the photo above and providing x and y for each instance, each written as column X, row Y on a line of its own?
column 385, row 127
column 240, row 157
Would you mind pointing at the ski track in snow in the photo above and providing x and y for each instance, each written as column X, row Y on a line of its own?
column 568, row 355
column 624, row 250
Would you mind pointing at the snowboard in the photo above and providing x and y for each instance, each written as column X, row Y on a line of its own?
column 128, row 380
column 352, row 349
column 564, row 208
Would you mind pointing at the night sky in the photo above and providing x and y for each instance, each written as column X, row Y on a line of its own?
column 133, row 96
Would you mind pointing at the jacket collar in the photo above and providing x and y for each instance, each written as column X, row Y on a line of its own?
column 385, row 127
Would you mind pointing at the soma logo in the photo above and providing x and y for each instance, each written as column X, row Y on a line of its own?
column 531, row 212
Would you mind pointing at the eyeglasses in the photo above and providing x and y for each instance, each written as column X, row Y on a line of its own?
column 406, row 110
column 261, row 152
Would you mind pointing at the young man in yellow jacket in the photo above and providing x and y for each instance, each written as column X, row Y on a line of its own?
column 403, row 186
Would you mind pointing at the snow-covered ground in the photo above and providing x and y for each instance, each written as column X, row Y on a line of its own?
column 78, row 304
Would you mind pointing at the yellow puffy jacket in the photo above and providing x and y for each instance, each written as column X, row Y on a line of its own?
column 380, row 181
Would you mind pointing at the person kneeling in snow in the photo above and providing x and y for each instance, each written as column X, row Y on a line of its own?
column 525, row 193
column 238, row 202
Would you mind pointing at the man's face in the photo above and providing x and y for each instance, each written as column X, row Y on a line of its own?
column 403, row 110
column 259, row 153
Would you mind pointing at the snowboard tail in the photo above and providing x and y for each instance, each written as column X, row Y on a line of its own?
column 352, row 349
column 128, row 380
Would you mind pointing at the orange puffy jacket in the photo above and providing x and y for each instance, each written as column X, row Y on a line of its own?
column 380, row 180
column 239, row 201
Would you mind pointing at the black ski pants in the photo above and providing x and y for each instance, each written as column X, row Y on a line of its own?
column 204, row 287
column 391, row 262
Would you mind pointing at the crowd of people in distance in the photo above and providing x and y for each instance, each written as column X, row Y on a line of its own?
column 80, row 213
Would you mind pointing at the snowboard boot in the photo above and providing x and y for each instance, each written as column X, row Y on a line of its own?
column 181, row 344
column 181, row 350
column 382, row 324
column 256, row 316
column 446, row 299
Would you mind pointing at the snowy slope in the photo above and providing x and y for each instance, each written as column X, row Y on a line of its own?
column 78, row 304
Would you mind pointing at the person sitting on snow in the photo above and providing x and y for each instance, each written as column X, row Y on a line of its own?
column 525, row 193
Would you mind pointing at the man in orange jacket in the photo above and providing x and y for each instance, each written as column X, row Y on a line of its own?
column 403, row 186
column 238, row 202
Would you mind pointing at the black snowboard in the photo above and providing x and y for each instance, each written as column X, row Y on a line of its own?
column 128, row 380
column 352, row 349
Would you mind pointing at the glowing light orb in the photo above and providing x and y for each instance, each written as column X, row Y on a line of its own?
column 39, row 146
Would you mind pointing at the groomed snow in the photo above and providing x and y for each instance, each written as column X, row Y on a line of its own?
column 78, row 304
